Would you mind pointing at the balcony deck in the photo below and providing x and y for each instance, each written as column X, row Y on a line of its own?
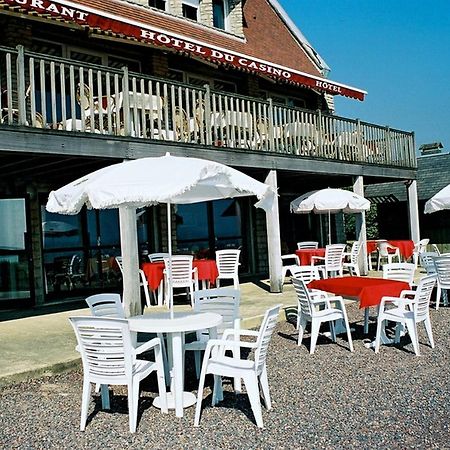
column 57, row 101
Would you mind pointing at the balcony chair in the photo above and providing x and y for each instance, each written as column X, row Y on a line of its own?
column 418, row 303
column 143, row 280
column 292, row 261
column 399, row 272
column 227, row 264
column 307, row 245
column 307, row 302
column 442, row 264
column 383, row 252
column 332, row 261
column 353, row 265
column 181, row 273
column 109, row 359
column 223, row 301
column 419, row 248
column 254, row 373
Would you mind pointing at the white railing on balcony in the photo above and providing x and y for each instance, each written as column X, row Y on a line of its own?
column 60, row 94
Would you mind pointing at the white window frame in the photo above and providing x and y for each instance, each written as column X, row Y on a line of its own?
column 226, row 12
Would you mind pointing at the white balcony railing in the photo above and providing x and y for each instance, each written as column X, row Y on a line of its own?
column 59, row 94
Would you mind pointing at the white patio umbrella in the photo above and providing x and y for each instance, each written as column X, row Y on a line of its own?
column 150, row 181
column 329, row 201
column 439, row 201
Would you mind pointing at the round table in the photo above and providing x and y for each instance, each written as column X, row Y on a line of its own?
column 175, row 328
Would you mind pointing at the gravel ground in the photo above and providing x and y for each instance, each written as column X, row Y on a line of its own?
column 333, row 399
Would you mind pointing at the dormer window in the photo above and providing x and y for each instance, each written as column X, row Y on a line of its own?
column 190, row 9
column 219, row 14
column 158, row 4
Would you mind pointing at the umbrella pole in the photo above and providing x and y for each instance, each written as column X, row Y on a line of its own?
column 169, row 248
column 329, row 227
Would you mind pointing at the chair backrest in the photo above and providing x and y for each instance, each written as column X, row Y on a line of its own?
column 442, row 265
column 383, row 247
column 436, row 249
column 427, row 262
column 422, row 245
column 303, row 298
column 305, row 273
column 179, row 268
column 400, row 272
column 265, row 333
column 334, row 254
column 227, row 262
column 157, row 257
column 106, row 305
column 119, row 263
column 423, row 296
column 307, row 244
column 223, row 301
column 354, row 252
column 290, row 259
column 105, row 347
column 75, row 265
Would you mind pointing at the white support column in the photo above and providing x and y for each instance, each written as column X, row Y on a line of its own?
column 360, row 223
column 130, row 259
column 413, row 210
column 273, row 238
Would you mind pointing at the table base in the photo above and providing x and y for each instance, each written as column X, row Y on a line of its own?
column 189, row 399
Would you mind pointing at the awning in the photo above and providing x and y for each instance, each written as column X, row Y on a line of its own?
column 104, row 22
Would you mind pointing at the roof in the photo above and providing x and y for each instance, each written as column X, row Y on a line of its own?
column 260, row 52
column 433, row 174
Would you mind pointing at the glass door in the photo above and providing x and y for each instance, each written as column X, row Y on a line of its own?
column 15, row 254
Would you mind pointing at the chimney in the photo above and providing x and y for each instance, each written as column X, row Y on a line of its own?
column 433, row 148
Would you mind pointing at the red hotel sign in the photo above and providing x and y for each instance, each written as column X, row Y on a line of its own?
column 142, row 33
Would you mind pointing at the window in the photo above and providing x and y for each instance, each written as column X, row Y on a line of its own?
column 190, row 9
column 158, row 4
column 219, row 14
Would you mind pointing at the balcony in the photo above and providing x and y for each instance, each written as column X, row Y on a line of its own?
column 51, row 93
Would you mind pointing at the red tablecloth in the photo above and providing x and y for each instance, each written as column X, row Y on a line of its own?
column 207, row 270
column 371, row 246
column 369, row 291
column 406, row 247
column 306, row 254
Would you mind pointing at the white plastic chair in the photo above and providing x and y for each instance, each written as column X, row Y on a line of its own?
column 307, row 302
column 419, row 248
column 254, row 373
column 306, row 273
column 400, row 272
column 418, row 302
column 383, row 252
column 106, row 305
column 227, row 264
column 158, row 293
column 143, row 280
column 332, row 261
column 307, row 245
column 182, row 274
column 223, row 301
column 353, row 265
column 436, row 249
column 292, row 260
column 442, row 265
column 427, row 262
column 109, row 358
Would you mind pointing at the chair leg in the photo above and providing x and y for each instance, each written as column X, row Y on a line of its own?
column 197, row 355
column 412, row 330
column 378, row 335
column 333, row 331
column 251, row 384
column 145, row 286
column 85, row 403
column 349, row 334
column 438, row 295
column 198, row 406
column 133, row 399
column 301, row 329
column 427, row 323
column 265, row 387
column 315, row 326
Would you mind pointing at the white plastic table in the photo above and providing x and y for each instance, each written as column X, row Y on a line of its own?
column 175, row 328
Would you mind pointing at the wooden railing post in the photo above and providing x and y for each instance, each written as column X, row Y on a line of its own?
column 208, row 131
column 319, row 131
column 271, row 126
column 388, row 156
column 359, row 140
column 21, row 105
column 126, row 102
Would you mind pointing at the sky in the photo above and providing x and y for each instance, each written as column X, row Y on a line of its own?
column 396, row 50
